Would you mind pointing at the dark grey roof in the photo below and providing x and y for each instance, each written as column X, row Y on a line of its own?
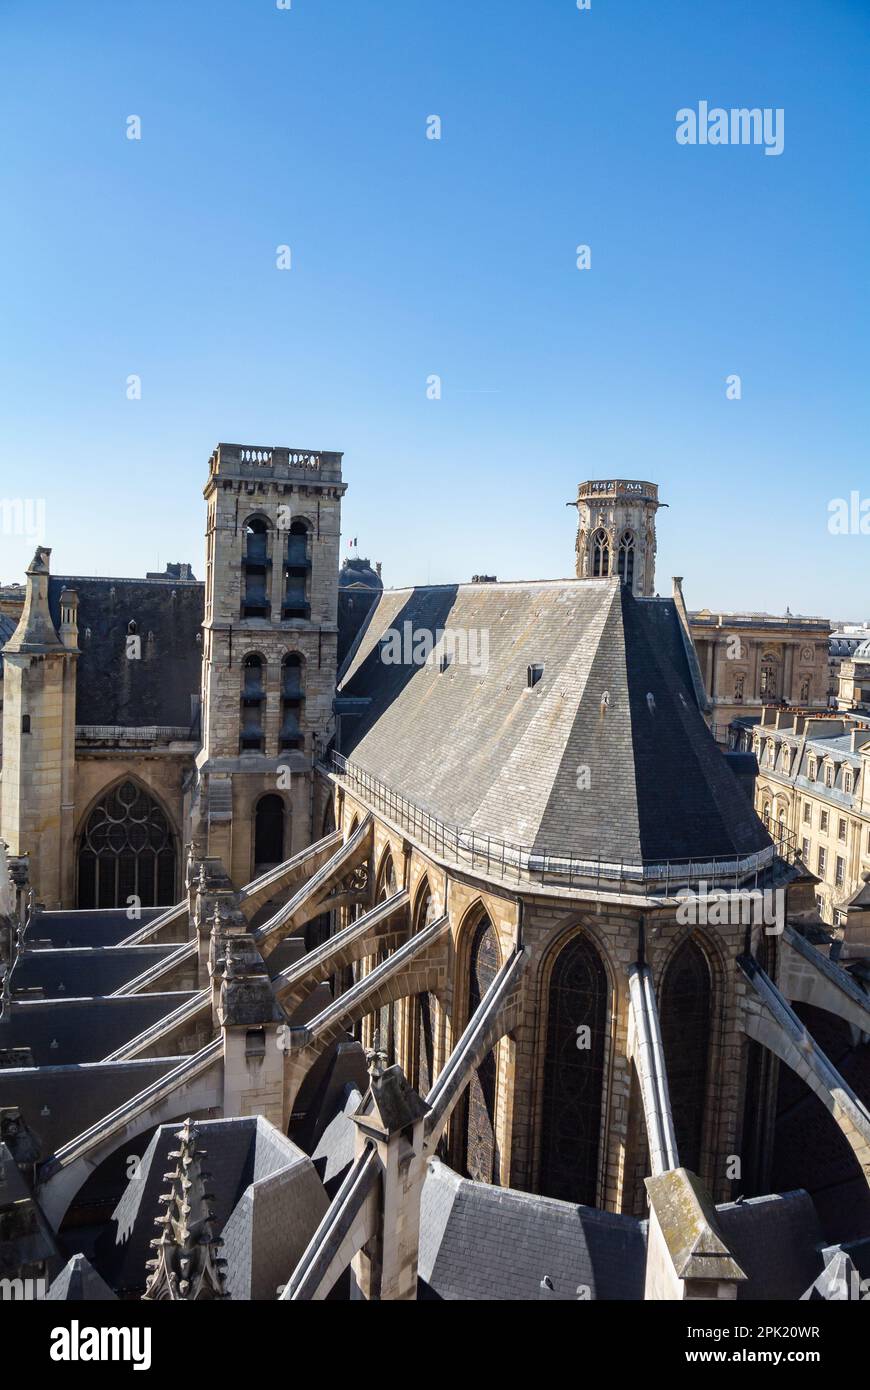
column 60, row 1102
column 776, row 1242
column 79, row 1282
column 60, row 1031
column 93, row 927
column 78, row 972
column 163, row 686
column 333, row 1154
column 354, row 609
column 239, row 1152
column 25, row 1235
column 492, row 1243
column 483, row 752
column 356, row 572
column 7, row 627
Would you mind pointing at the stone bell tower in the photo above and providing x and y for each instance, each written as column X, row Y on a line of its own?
column 616, row 532
column 269, row 651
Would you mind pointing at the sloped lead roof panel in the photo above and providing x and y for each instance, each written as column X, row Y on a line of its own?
column 606, row 756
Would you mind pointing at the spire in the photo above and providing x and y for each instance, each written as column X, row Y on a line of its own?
column 187, row 1266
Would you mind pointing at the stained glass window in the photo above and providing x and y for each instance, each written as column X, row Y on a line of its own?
column 574, row 1074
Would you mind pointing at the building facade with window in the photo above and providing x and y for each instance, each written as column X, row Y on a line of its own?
column 814, row 781
column 142, row 714
column 752, row 660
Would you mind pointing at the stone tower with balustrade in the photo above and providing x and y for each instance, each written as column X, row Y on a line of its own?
column 269, row 651
column 616, row 532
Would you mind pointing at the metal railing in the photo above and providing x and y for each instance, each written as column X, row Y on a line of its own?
column 562, row 869
column 152, row 733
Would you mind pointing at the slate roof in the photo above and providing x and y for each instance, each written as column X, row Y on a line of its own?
column 162, row 687
column 60, row 1102
column 82, row 1030
column 80, row 971
column 79, row 1282
column 333, row 1154
column 354, row 608
column 7, row 627
column 244, row 1157
column 95, row 927
column 492, row 1243
column 25, row 1235
column 776, row 1241
column 483, row 752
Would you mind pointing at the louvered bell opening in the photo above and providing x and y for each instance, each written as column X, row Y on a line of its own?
column 297, row 553
column 295, row 605
column 256, row 603
column 252, row 731
column 290, row 735
column 256, row 549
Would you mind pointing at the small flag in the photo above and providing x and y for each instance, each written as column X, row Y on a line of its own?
column 351, row 544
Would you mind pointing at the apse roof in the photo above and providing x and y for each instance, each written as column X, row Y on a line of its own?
column 607, row 755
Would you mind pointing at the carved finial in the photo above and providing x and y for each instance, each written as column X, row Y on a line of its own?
column 376, row 1058
column 187, row 1266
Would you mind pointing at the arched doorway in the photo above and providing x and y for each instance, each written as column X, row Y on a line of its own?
column 269, row 831
column 573, row 1074
column 685, row 1021
column 480, row 1147
column 126, row 849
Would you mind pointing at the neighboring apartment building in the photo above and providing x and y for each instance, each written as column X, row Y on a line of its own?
column 814, row 780
column 853, row 685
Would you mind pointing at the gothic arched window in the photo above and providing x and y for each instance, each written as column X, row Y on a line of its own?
column 480, row 1149
column 574, row 1074
column 685, row 1021
column 600, row 553
column 423, row 1013
column 385, row 1019
column 625, row 559
column 269, row 830
column 127, row 847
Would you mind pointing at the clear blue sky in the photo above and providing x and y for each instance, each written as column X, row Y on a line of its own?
column 306, row 127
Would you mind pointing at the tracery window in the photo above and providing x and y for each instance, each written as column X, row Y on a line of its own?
column 386, row 1016
column 126, row 848
column 574, row 1074
column 423, row 1012
column 600, row 553
column 685, row 1022
column 625, row 558
column 481, row 1157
